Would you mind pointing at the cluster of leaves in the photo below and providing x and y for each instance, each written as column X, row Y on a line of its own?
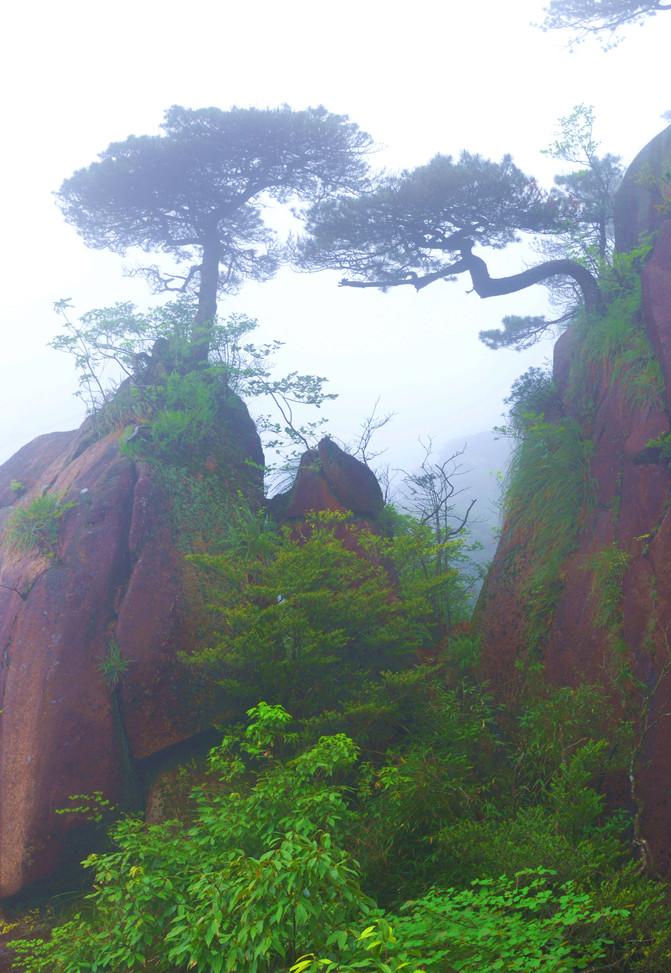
column 35, row 526
column 617, row 341
column 533, row 396
column 549, row 493
column 526, row 922
column 303, row 623
column 152, row 351
column 256, row 876
column 403, row 824
column 608, row 567
column 262, row 874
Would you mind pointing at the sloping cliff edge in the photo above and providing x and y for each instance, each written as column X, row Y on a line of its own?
column 90, row 629
column 600, row 612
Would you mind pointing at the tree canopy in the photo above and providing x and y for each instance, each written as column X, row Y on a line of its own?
column 197, row 191
column 599, row 16
column 422, row 225
column 585, row 231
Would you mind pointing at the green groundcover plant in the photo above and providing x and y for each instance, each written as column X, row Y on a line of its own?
column 400, row 821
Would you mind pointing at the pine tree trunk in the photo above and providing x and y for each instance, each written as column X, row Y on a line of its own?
column 207, row 301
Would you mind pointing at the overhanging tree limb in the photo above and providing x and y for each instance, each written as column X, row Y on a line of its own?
column 419, row 227
column 486, row 286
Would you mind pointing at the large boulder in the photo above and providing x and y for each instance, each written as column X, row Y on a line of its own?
column 643, row 201
column 90, row 630
column 328, row 478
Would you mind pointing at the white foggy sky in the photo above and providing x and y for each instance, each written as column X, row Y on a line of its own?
column 431, row 76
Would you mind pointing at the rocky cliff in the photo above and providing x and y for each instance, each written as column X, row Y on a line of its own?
column 94, row 606
column 581, row 582
column 96, row 602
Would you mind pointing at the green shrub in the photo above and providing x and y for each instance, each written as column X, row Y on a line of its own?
column 549, row 493
column 114, row 665
column 618, row 340
column 532, row 395
column 517, row 924
column 36, row 525
column 257, row 876
column 303, row 620
column 608, row 567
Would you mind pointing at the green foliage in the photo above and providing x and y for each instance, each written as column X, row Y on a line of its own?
column 114, row 665
column 542, row 807
column 256, row 877
column 552, row 728
column 35, row 526
column 587, row 193
column 608, row 567
column 169, row 401
column 183, row 420
column 303, row 841
column 526, row 922
column 435, row 569
column 442, row 772
column 302, row 621
column 662, row 447
column 549, row 492
column 532, row 395
column 93, row 807
column 17, row 487
column 616, row 340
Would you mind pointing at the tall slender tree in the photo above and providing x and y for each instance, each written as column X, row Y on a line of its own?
column 199, row 189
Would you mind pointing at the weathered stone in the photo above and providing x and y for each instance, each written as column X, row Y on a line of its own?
column 656, row 284
column 643, row 201
column 352, row 482
column 631, row 511
column 118, row 579
column 328, row 478
column 31, row 464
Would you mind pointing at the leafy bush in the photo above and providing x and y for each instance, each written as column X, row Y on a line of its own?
column 532, row 395
column 526, row 922
column 617, row 339
column 608, row 567
column 256, row 877
column 35, row 526
column 302, row 621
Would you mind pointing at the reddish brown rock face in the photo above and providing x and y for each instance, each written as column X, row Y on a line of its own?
column 328, row 478
column 116, row 578
column 632, row 486
column 643, row 201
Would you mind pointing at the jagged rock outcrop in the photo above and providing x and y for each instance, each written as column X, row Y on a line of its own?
column 115, row 587
column 622, row 550
column 328, row 478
